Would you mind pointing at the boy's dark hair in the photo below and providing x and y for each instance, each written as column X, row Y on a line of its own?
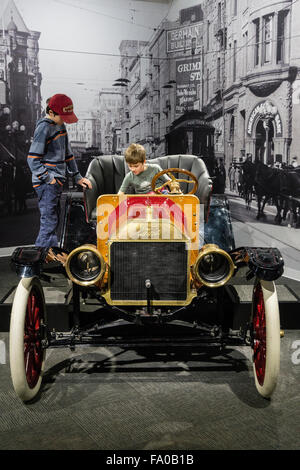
column 48, row 109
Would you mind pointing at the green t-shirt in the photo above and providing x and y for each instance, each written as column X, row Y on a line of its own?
column 141, row 184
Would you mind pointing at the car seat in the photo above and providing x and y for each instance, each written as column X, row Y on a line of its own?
column 107, row 172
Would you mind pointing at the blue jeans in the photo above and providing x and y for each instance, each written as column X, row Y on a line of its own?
column 49, row 204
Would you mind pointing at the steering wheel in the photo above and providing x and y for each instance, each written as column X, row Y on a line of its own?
column 175, row 181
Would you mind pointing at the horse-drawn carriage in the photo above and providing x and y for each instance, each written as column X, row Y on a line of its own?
column 149, row 260
column 281, row 187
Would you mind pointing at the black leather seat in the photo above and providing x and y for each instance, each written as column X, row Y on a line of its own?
column 107, row 173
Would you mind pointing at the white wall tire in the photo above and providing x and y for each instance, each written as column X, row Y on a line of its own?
column 265, row 322
column 27, row 357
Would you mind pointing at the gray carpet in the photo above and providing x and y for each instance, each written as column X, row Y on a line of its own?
column 109, row 399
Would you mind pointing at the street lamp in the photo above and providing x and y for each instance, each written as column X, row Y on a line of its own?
column 14, row 131
column 6, row 110
column 125, row 80
column 121, row 82
column 4, row 115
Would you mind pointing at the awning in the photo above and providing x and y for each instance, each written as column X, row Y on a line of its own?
column 191, row 119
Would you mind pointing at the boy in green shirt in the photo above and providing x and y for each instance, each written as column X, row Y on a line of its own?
column 140, row 176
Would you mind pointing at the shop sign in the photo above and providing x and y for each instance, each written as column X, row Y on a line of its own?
column 188, row 76
column 184, row 38
column 193, row 123
column 265, row 110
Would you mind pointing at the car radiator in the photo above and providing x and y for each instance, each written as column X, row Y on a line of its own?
column 165, row 264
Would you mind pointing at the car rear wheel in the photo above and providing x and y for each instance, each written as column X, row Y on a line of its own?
column 27, row 331
column 265, row 337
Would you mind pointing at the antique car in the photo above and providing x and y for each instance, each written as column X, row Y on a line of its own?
column 150, row 261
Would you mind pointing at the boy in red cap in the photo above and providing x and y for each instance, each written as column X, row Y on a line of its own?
column 50, row 157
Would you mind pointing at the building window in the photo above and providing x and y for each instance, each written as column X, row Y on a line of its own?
column 208, row 32
column 234, row 60
column 218, row 71
column 245, row 55
column 194, row 45
column 231, row 137
column 223, row 39
column 20, row 65
column 207, row 85
column 256, row 43
column 234, row 7
column 230, row 57
column 267, row 39
column 243, row 121
column 219, row 14
column 281, row 32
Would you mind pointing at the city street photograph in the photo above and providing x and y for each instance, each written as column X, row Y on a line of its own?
column 149, row 227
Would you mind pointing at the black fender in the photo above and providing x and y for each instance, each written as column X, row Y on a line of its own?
column 265, row 263
column 28, row 261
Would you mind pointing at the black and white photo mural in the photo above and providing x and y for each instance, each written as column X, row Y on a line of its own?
column 215, row 79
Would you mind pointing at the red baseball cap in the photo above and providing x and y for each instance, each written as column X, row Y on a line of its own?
column 63, row 106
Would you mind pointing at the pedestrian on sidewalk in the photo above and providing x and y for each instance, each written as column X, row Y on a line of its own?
column 231, row 176
column 236, row 178
column 50, row 158
column 222, row 176
column 240, row 181
column 295, row 163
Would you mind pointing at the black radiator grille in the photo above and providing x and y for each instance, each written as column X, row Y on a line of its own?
column 165, row 264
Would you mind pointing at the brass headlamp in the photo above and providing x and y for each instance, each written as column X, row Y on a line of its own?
column 213, row 267
column 85, row 265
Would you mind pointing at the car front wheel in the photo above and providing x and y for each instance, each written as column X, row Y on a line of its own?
column 27, row 331
column 265, row 337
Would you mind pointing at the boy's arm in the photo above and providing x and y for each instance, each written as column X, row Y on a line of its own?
column 125, row 184
column 36, row 153
column 72, row 168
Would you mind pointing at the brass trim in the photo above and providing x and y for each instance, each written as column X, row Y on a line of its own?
column 191, row 293
column 212, row 248
column 79, row 249
column 149, row 230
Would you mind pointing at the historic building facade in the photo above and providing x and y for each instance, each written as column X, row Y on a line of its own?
column 85, row 134
column 253, row 77
column 163, row 83
column 230, row 66
column 128, row 84
column 109, row 111
column 20, row 80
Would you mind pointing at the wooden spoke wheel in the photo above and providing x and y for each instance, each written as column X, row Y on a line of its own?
column 265, row 337
column 27, row 331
